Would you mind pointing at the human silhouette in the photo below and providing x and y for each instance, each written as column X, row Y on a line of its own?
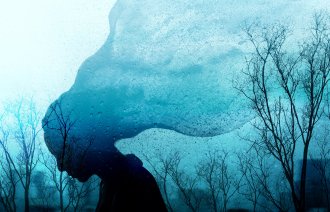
column 129, row 187
column 126, row 185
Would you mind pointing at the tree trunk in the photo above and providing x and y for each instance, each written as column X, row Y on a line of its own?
column 61, row 192
column 26, row 200
column 302, row 190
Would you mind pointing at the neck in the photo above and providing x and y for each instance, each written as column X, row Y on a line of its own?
column 111, row 164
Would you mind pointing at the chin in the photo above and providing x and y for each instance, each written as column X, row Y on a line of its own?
column 83, row 179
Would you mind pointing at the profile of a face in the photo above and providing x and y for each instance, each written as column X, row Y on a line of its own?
column 75, row 155
column 80, row 141
column 70, row 158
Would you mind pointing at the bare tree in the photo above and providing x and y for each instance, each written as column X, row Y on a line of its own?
column 211, row 186
column 222, row 183
column 321, row 164
column 58, row 178
column 8, row 177
column 168, row 172
column 24, row 119
column 186, row 184
column 162, row 174
column 278, row 82
column 68, row 188
column 44, row 191
column 251, row 189
column 79, row 192
column 263, row 185
column 60, row 122
column 209, row 172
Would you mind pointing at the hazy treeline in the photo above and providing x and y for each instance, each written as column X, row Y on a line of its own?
column 286, row 165
column 29, row 175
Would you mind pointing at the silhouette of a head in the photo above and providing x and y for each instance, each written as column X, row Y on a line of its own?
column 76, row 151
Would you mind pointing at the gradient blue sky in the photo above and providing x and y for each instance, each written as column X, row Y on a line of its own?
column 43, row 43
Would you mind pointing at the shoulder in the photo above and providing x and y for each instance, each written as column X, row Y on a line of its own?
column 140, row 187
column 137, row 171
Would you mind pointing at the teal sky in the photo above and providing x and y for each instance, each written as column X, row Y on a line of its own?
column 43, row 42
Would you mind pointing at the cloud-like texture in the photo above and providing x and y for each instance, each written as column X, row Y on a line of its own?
column 169, row 64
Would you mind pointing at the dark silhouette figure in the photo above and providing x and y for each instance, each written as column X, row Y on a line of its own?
column 126, row 185
column 129, row 187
